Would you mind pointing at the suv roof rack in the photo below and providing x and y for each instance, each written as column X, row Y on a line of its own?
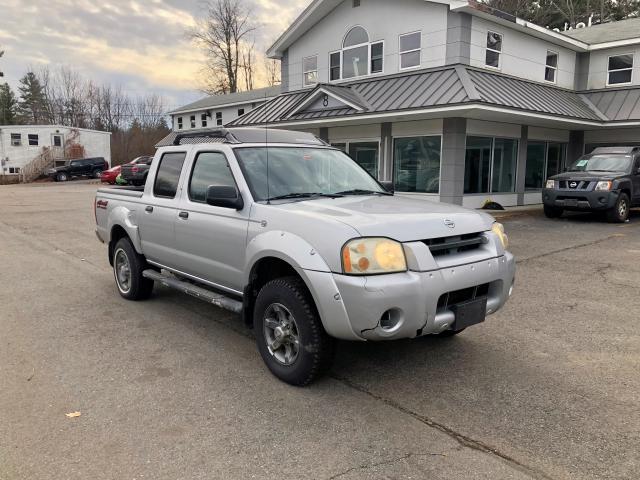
column 219, row 133
column 249, row 135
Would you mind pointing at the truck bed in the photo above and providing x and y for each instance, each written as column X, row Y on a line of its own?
column 123, row 190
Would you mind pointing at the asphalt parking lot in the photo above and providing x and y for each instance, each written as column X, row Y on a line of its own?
column 172, row 388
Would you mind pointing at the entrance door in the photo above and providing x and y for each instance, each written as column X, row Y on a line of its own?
column 635, row 178
column 366, row 155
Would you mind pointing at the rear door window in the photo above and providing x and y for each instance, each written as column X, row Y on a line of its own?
column 209, row 169
column 168, row 176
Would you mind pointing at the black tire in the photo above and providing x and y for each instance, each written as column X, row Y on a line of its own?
column 137, row 287
column 96, row 173
column 552, row 212
column 62, row 177
column 315, row 349
column 620, row 212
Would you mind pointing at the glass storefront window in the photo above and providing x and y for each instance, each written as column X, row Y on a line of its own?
column 490, row 165
column 505, row 160
column 416, row 164
column 543, row 160
column 366, row 155
column 477, row 165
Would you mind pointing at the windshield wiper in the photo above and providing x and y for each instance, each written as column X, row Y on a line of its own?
column 359, row 191
column 293, row 196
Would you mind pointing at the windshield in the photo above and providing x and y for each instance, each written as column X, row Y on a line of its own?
column 302, row 171
column 603, row 163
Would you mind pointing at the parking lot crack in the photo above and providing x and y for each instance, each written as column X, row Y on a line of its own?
column 569, row 248
column 463, row 440
column 385, row 462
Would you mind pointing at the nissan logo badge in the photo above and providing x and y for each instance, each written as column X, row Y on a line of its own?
column 573, row 184
column 449, row 223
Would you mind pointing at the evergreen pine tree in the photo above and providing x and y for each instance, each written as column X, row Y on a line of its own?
column 32, row 104
column 8, row 106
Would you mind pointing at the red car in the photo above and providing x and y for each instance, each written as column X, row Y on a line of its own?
column 109, row 176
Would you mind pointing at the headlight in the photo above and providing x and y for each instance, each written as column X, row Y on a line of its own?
column 603, row 186
column 371, row 256
column 498, row 229
column 551, row 184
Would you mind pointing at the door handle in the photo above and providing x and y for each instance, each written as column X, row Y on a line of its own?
column 184, row 215
column 149, row 209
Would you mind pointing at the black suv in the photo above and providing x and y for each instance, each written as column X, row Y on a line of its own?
column 83, row 167
column 608, row 179
column 135, row 173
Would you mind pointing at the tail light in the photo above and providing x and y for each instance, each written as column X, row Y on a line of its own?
column 95, row 209
column 134, row 170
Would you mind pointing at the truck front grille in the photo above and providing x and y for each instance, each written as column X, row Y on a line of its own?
column 457, row 244
column 460, row 296
column 574, row 184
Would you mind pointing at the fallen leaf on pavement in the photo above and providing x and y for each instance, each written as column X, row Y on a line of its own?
column 73, row 414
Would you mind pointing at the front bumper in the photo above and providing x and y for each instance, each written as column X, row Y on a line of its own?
column 413, row 297
column 579, row 200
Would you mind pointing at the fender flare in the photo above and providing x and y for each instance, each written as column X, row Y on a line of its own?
column 121, row 217
column 313, row 270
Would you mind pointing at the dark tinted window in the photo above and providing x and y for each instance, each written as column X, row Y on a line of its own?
column 210, row 168
column 168, row 175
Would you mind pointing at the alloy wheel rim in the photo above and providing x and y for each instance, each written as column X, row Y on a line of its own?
column 281, row 334
column 123, row 271
column 622, row 209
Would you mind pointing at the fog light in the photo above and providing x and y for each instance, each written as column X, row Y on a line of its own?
column 391, row 320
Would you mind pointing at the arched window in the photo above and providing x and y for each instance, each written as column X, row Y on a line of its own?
column 358, row 56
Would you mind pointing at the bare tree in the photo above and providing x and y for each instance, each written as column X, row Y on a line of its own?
column 248, row 67
column 221, row 34
column 272, row 71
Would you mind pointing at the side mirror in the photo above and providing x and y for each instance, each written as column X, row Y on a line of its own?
column 388, row 186
column 226, row 197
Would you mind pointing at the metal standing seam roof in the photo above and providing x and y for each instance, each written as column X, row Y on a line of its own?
column 453, row 85
column 617, row 105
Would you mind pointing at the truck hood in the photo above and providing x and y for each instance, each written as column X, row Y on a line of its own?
column 400, row 218
column 588, row 176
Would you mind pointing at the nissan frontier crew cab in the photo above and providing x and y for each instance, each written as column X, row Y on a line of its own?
column 304, row 243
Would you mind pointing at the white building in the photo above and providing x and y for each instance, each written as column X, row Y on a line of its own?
column 451, row 100
column 218, row 110
column 33, row 148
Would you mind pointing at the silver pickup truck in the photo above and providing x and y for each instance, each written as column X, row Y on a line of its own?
column 304, row 243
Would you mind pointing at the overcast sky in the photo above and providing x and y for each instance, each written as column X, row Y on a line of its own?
column 138, row 44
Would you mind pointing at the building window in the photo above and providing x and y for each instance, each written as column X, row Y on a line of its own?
column 14, row 170
column 192, row 121
column 240, row 112
column 416, row 164
column 551, row 69
column 16, row 140
column 494, row 49
column 179, row 123
column 219, row 119
column 358, row 56
column 543, row 161
column 410, row 49
column 310, row 71
column 356, row 3
column 203, row 120
column 490, row 165
column 33, row 139
column 620, row 69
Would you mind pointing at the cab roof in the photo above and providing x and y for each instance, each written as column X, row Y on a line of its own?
column 247, row 135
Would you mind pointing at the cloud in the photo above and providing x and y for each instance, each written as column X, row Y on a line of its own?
column 140, row 44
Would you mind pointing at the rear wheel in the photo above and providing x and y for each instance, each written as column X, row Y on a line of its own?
column 620, row 212
column 289, row 333
column 62, row 177
column 552, row 212
column 128, row 266
column 96, row 173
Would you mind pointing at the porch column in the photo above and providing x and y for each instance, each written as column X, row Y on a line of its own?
column 386, row 152
column 575, row 148
column 454, row 146
column 521, row 168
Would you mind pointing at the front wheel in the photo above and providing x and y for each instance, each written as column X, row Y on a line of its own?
column 289, row 333
column 620, row 212
column 552, row 212
column 62, row 177
column 128, row 266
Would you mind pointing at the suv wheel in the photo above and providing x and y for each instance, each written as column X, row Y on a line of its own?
column 289, row 333
column 128, row 266
column 62, row 177
column 620, row 212
column 96, row 173
column 552, row 212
